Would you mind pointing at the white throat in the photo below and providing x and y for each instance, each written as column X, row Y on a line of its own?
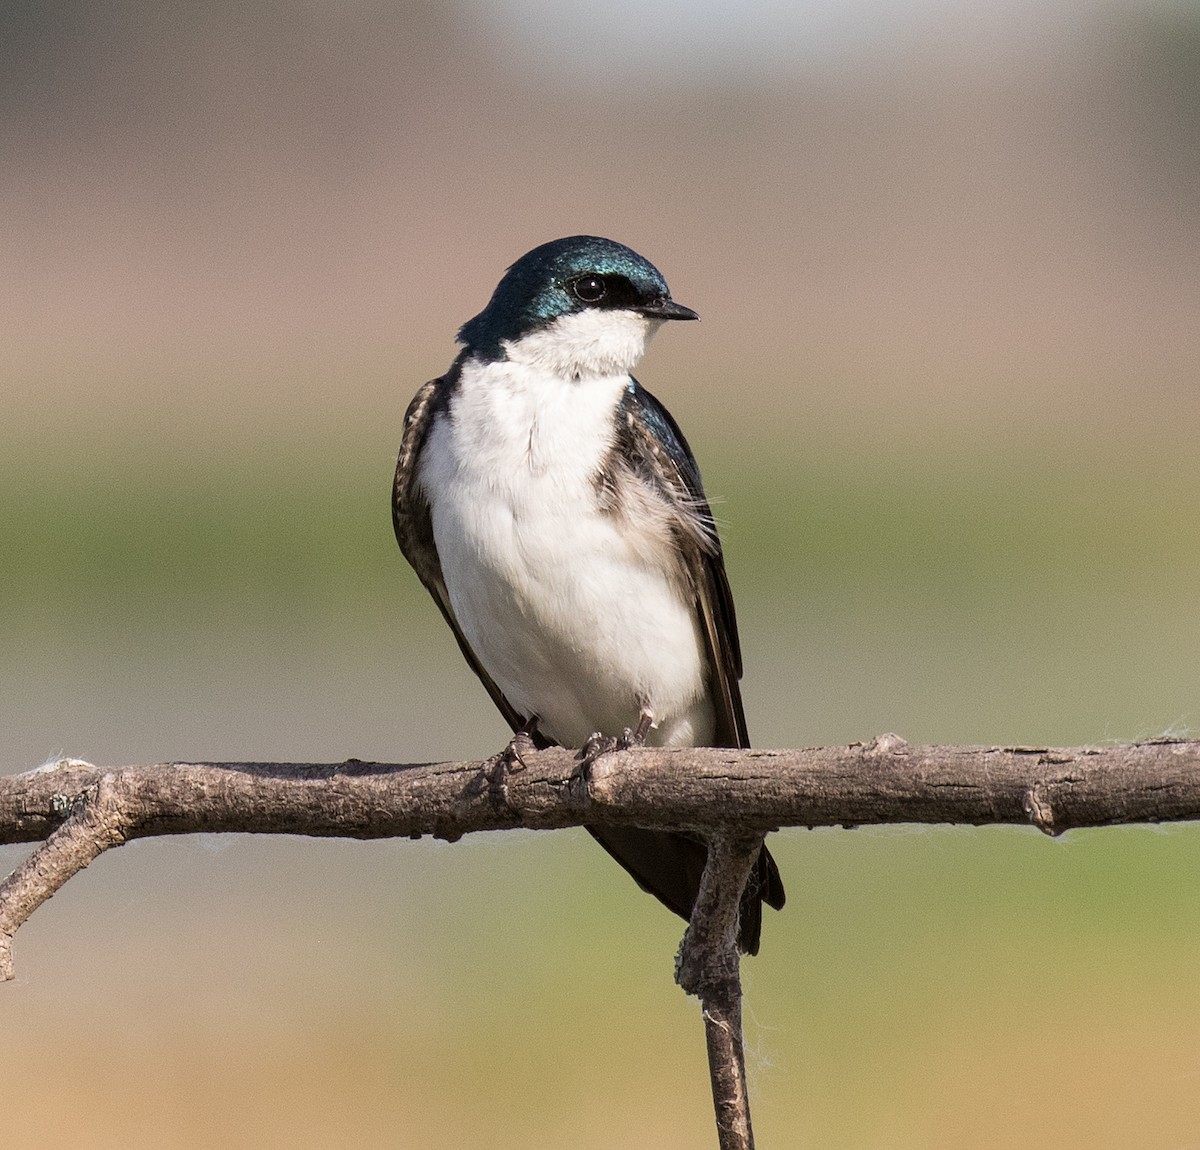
column 586, row 344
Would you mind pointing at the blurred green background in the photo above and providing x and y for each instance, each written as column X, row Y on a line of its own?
column 945, row 388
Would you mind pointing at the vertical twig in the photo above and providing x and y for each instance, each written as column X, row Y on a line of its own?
column 709, row 968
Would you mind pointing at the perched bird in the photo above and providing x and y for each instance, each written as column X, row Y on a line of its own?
column 553, row 509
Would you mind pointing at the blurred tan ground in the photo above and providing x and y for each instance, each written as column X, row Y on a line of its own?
column 946, row 384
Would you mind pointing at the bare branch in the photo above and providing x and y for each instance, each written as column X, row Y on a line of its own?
column 81, row 810
column 703, row 789
column 709, row 968
column 97, row 821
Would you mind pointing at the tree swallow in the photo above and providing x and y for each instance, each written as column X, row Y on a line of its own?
column 553, row 509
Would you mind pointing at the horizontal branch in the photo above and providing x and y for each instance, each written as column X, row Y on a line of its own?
column 81, row 810
column 702, row 789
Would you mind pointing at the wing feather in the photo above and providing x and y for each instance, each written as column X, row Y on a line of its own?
column 651, row 440
column 667, row 864
column 414, row 527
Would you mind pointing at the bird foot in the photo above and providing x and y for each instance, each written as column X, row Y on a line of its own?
column 599, row 744
column 495, row 771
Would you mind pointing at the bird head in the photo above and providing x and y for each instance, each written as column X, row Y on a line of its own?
column 577, row 306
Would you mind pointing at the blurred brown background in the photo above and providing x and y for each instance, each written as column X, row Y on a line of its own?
column 946, row 387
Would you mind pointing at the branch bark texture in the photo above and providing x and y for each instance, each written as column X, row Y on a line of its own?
column 79, row 810
column 695, row 788
column 709, row 969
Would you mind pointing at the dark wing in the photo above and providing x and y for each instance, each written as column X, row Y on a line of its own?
column 667, row 864
column 414, row 528
column 649, row 439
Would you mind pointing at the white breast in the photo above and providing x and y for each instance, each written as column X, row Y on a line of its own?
column 575, row 624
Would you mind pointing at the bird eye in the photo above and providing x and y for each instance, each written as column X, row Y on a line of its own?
column 588, row 289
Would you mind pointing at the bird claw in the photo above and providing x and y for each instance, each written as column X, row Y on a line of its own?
column 495, row 771
column 594, row 746
column 598, row 744
column 519, row 745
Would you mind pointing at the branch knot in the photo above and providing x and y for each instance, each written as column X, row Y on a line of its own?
column 1038, row 808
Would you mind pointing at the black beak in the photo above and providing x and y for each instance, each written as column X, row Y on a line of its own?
column 666, row 308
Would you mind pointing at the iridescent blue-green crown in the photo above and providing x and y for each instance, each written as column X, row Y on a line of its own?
column 535, row 291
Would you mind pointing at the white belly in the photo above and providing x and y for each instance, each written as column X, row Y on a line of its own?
column 575, row 626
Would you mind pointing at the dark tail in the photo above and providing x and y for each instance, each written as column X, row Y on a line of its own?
column 668, row 865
